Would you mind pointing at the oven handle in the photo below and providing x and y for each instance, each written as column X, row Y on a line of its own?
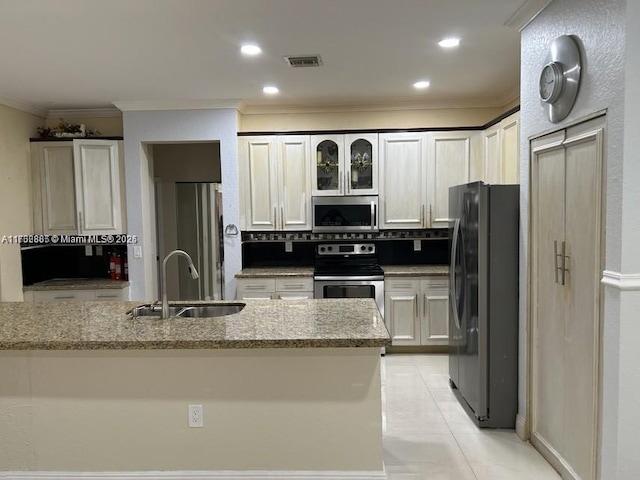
column 373, row 278
column 373, row 214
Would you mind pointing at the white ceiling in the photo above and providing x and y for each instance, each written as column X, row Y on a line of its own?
column 65, row 54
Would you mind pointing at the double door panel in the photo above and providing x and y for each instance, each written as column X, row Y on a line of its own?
column 566, row 214
column 276, row 179
column 345, row 164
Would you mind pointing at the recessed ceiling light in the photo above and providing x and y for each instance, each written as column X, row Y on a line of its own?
column 270, row 90
column 449, row 42
column 421, row 84
column 250, row 49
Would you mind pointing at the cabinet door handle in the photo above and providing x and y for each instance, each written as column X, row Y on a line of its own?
column 63, row 297
column 282, row 217
column 564, row 264
column 80, row 229
column 415, row 306
column 275, row 218
column 430, row 216
column 555, row 259
column 347, row 181
column 340, row 184
column 424, row 305
column 422, row 215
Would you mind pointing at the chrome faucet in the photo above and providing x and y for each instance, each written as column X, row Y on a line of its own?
column 163, row 279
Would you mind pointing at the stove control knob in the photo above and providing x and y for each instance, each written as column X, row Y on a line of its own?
column 370, row 248
column 322, row 249
column 363, row 248
column 329, row 248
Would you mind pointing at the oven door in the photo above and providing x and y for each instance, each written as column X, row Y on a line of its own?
column 351, row 287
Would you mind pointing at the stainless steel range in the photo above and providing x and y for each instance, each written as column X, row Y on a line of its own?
column 349, row 270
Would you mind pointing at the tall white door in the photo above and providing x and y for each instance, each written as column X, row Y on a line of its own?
column 566, row 235
column 257, row 157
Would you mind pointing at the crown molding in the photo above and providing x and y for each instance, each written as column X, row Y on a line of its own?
column 149, row 105
column 23, row 106
column 526, row 13
column 82, row 112
column 439, row 104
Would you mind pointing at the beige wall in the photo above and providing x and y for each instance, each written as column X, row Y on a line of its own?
column 15, row 193
column 264, row 409
column 371, row 119
column 107, row 126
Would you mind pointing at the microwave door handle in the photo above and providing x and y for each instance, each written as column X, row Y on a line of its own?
column 373, row 214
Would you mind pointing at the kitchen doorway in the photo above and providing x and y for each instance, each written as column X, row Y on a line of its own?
column 188, row 205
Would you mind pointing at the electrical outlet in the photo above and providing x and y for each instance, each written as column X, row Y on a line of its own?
column 88, row 250
column 288, row 247
column 99, row 250
column 417, row 245
column 195, row 416
column 137, row 252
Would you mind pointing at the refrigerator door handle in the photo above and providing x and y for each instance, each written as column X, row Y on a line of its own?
column 452, row 274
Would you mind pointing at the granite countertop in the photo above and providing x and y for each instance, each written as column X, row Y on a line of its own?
column 323, row 323
column 414, row 270
column 76, row 284
column 275, row 272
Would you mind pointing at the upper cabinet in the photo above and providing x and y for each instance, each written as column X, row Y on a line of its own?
column 502, row 152
column 450, row 156
column 417, row 170
column 403, row 192
column 78, row 187
column 275, row 181
column 345, row 164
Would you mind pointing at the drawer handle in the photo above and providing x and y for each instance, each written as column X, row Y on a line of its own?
column 255, row 287
column 298, row 286
column 107, row 296
column 64, row 297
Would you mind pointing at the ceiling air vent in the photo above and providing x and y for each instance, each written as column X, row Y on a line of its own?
column 296, row 61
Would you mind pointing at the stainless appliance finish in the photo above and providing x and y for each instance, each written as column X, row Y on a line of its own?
column 349, row 270
column 345, row 214
column 483, row 292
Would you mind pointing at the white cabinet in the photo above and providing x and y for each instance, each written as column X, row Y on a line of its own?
column 566, row 298
column 450, row 155
column 417, row 310
column 296, row 288
column 275, row 180
column 501, row 152
column 403, row 192
column 345, row 164
column 78, row 187
column 417, row 170
column 70, row 295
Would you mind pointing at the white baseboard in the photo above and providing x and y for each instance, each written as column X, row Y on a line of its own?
column 198, row 475
column 521, row 428
column 553, row 457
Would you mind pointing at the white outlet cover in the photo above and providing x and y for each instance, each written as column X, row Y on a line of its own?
column 417, row 245
column 137, row 252
column 196, row 419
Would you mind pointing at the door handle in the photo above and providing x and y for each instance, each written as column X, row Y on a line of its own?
column 452, row 274
column 555, row 259
column 564, row 263
column 415, row 306
column 282, row 217
column 430, row 216
column 424, row 305
column 347, row 181
column 422, row 215
column 373, row 215
column 275, row 218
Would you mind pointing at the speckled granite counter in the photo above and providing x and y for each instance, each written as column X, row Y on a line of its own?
column 275, row 272
column 261, row 324
column 76, row 284
column 414, row 270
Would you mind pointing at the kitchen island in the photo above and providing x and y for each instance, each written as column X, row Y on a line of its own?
column 285, row 388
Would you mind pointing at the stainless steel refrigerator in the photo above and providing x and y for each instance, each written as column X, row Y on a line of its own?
column 199, row 222
column 483, row 294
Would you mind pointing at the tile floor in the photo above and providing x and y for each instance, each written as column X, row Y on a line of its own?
column 427, row 434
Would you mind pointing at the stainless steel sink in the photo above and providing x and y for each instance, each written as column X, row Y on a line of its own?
column 202, row 310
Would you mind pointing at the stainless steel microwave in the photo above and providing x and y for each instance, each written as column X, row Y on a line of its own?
column 345, row 214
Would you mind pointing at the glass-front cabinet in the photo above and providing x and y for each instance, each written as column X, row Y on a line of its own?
column 345, row 164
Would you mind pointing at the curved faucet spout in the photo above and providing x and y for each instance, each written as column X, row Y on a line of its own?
column 163, row 278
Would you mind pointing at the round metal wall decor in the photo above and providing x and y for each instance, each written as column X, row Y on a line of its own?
column 560, row 78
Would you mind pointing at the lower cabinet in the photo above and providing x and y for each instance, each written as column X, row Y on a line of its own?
column 296, row 288
column 417, row 310
column 101, row 295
